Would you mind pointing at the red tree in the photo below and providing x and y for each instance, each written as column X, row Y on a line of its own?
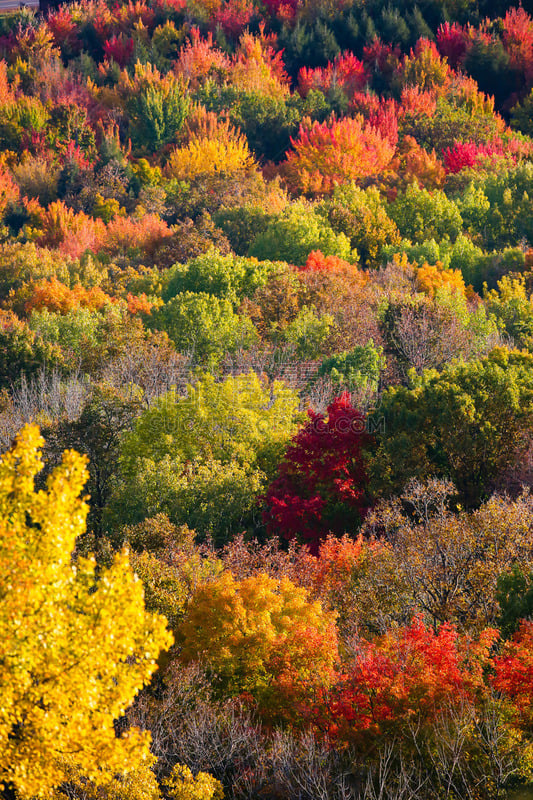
column 322, row 482
column 513, row 673
column 453, row 41
column 472, row 155
column 345, row 72
column 327, row 154
column 408, row 676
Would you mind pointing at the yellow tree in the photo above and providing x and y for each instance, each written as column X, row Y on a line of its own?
column 262, row 638
column 75, row 644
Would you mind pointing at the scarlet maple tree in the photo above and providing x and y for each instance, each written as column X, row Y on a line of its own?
column 345, row 71
column 518, row 40
column 407, row 676
column 322, row 483
column 318, row 262
column 453, row 41
column 513, row 673
column 329, row 153
column 484, row 155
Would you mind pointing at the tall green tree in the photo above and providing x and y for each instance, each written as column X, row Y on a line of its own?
column 468, row 423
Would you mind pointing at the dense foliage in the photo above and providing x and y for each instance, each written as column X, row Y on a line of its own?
column 267, row 265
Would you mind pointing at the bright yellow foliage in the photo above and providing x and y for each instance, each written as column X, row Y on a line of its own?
column 430, row 278
column 210, row 156
column 75, row 647
column 182, row 785
column 263, row 637
column 138, row 783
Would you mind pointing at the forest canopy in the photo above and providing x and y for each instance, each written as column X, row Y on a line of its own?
column 266, row 387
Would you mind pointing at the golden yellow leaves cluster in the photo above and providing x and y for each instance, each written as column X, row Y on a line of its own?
column 75, row 646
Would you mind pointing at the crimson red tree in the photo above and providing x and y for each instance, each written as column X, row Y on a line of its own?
column 406, row 677
column 322, row 482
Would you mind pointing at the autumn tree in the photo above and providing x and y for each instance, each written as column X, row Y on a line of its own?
column 513, row 673
column 262, row 637
column 57, row 297
column 322, row 483
column 407, row 672
column 423, row 332
column 213, row 147
column 183, row 785
column 361, row 214
column 76, row 646
column 170, row 564
column 450, row 563
column 330, row 153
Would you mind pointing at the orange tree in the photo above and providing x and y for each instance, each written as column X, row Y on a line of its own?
column 262, row 638
column 327, row 154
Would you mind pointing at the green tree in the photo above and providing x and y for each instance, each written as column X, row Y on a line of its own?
column 22, row 351
column 224, row 276
column 522, row 116
column 468, row 423
column 513, row 308
column 203, row 458
column 204, row 326
column 216, row 499
column 500, row 206
column 242, row 224
column 359, row 368
column 515, row 598
column 453, row 121
column 422, row 215
column 242, row 419
column 96, row 433
column 297, row 231
column 74, row 333
column 157, row 111
column 361, row 214
column 309, row 332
